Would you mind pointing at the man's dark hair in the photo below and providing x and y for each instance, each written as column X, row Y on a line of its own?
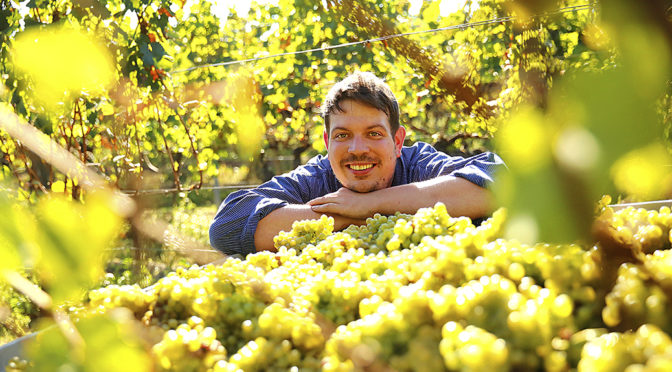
column 365, row 88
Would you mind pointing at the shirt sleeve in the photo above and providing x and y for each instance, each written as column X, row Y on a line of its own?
column 478, row 169
column 232, row 230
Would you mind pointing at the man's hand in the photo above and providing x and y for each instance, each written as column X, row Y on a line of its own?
column 346, row 203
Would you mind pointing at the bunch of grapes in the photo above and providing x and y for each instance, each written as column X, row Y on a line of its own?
column 131, row 297
column 472, row 349
column 648, row 349
column 635, row 300
column 390, row 337
column 190, row 347
column 281, row 323
column 659, row 266
column 305, row 232
column 336, row 296
column 263, row 354
column 638, row 230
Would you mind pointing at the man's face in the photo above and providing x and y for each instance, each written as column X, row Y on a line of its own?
column 361, row 149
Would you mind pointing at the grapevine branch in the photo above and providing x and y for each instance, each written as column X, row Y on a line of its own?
column 137, row 144
column 34, row 177
column 418, row 129
column 176, row 175
column 194, row 151
column 9, row 163
column 462, row 135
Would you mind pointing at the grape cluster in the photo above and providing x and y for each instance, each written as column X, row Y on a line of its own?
column 190, row 347
column 305, row 232
column 472, row 348
column 636, row 229
column 423, row 292
column 131, row 297
column 646, row 350
column 635, row 300
column 659, row 266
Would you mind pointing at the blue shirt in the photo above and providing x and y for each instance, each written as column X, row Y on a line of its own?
column 233, row 228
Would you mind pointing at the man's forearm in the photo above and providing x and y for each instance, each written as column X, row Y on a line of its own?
column 282, row 219
column 461, row 197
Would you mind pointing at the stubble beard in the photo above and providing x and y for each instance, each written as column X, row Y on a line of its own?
column 365, row 186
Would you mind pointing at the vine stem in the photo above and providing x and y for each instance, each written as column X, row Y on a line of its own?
column 137, row 144
column 30, row 170
column 462, row 135
column 10, row 164
column 176, row 174
column 194, row 151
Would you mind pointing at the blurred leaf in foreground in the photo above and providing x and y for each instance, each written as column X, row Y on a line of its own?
column 249, row 125
column 110, row 343
column 597, row 136
column 15, row 251
column 63, row 240
column 645, row 173
column 62, row 60
column 532, row 189
column 72, row 238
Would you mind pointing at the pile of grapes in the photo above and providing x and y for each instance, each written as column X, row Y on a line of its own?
column 423, row 292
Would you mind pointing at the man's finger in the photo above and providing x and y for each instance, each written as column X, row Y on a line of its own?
column 324, row 208
column 321, row 200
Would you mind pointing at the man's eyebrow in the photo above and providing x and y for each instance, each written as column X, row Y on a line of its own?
column 372, row 126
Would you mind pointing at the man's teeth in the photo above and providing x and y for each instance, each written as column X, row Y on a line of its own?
column 360, row 167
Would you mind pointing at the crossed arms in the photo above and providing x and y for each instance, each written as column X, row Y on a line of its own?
column 461, row 197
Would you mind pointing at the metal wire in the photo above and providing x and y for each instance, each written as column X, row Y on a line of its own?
column 174, row 189
column 574, row 8
column 161, row 249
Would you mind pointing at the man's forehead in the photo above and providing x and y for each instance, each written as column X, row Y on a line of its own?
column 358, row 115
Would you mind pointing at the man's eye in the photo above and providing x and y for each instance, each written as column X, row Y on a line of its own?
column 340, row 135
column 376, row 134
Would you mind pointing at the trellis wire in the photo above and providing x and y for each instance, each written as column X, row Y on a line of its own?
column 160, row 249
column 174, row 189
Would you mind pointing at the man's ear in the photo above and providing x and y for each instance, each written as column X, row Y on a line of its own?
column 399, row 139
column 325, row 136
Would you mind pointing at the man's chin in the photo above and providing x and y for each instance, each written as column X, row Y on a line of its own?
column 363, row 188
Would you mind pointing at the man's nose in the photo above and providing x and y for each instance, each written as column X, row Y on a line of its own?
column 358, row 145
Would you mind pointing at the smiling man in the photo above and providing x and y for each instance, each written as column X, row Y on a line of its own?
column 367, row 170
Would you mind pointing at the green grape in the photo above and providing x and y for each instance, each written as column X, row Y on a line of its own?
column 17, row 364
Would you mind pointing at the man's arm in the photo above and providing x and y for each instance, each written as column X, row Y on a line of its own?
column 461, row 197
column 282, row 219
column 238, row 221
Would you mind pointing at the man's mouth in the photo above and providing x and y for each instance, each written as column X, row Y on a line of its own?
column 361, row 167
